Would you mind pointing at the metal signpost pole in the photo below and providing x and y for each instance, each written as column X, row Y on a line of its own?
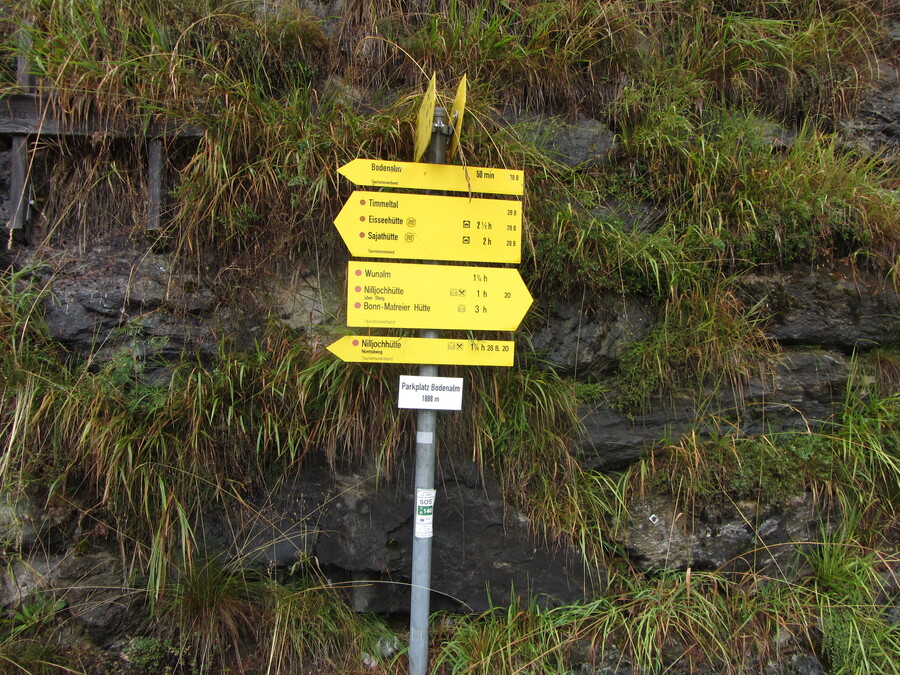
column 426, row 423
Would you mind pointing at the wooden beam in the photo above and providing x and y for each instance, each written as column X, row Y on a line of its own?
column 18, row 158
column 27, row 114
column 18, row 183
column 156, row 178
column 23, row 67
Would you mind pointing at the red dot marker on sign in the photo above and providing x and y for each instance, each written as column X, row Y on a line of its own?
column 362, row 202
column 357, row 305
column 362, row 219
column 359, row 273
column 356, row 343
column 362, row 235
column 357, row 289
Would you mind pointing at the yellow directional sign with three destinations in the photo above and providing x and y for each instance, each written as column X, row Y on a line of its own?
column 398, row 295
column 437, row 351
column 421, row 176
column 431, row 227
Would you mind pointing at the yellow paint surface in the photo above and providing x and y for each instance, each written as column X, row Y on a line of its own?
column 401, row 295
column 439, row 352
column 425, row 120
column 431, row 227
column 421, row 176
column 457, row 112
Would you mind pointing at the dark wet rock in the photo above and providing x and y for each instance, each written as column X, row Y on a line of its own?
column 572, row 142
column 876, row 127
column 804, row 392
column 359, row 533
column 20, row 523
column 118, row 302
column 834, row 308
column 23, row 578
column 24, row 527
column 740, row 537
column 482, row 550
column 796, row 664
column 97, row 594
column 585, row 342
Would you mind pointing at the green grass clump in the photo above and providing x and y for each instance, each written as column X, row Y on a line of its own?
column 278, row 123
column 27, row 643
column 851, row 464
column 308, row 623
column 684, row 620
column 217, row 614
column 848, row 591
column 707, row 338
column 559, row 55
column 524, row 423
column 727, row 183
column 214, row 607
column 522, row 637
column 766, row 469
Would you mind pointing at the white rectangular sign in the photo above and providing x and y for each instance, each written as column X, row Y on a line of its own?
column 430, row 393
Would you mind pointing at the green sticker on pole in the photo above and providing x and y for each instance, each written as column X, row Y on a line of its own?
column 424, row 525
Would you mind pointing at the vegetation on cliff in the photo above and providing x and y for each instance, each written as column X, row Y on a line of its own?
column 727, row 116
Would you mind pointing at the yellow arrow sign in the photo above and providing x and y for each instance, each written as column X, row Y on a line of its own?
column 431, row 227
column 439, row 352
column 421, row 176
column 399, row 295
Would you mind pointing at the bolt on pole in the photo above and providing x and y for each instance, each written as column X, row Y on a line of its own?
column 426, row 424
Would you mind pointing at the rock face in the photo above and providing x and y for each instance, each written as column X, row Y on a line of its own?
column 90, row 588
column 833, row 308
column 877, row 126
column 579, row 142
column 359, row 534
column 97, row 596
column 738, row 537
column 118, row 300
column 804, row 393
column 482, row 550
column 584, row 344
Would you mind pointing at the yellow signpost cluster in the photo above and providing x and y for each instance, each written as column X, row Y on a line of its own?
column 413, row 226
column 388, row 224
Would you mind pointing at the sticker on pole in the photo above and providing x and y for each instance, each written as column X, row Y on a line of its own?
column 424, row 524
column 430, row 393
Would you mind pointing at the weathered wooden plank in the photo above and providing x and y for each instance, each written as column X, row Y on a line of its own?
column 23, row 67
column 156, row 177
column 18, row 182
column 18, row 156
column 27, row 114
